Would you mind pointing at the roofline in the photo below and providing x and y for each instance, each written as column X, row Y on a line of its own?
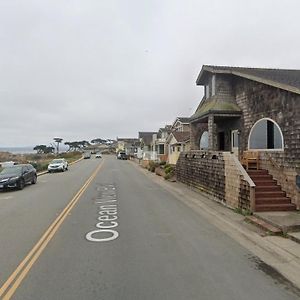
column 282, row 86
column 172, row 134
column 178, row 119
column 216, row 113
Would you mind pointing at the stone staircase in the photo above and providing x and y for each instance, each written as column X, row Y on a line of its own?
column 268, row 194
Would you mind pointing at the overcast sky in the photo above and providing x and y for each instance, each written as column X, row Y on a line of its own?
column 83, row 69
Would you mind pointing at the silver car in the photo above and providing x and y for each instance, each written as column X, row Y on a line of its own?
column 58, row 164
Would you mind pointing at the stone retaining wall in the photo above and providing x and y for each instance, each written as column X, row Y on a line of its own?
column 218, row 174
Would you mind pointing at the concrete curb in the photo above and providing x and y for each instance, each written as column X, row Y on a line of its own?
column 70, row 164
column 280, row 253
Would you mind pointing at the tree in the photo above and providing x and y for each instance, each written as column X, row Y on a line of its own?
column 98, row 141
column 43, row 149
column 57, row 141
column 40, row 149
column 49, row 149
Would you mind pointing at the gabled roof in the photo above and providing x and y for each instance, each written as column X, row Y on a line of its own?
column 184, row 120
column 181, row 136
column 146, row 136
column 128, row 140
column 281, row 78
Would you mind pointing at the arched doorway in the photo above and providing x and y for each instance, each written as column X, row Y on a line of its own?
column 204, row 141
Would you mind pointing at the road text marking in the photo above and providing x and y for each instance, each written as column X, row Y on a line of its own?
column 106, row 200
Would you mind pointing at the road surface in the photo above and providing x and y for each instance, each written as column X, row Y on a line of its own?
column 123, row 237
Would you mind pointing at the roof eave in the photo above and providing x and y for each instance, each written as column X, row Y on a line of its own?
column 268, row 82
column 215, row 112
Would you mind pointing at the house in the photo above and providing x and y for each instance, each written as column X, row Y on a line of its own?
column 181, row 124
column 178, row 141
column 159, row 143
column 128, row 145
column 246, row 111
column 145, row 149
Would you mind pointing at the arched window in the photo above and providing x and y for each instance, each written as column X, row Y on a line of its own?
column 204, row 140
column 265, row 134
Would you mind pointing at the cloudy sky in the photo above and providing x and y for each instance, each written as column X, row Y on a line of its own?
column 83, row 69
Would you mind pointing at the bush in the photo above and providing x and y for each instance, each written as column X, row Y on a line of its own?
column 162, row 163
column 169, row 169
column 152, row 165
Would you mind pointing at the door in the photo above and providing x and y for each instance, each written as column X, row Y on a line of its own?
column 221, row 136
column 235, row 142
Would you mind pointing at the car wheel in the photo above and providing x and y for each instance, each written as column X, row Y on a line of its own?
column 34, row 179
column 21, row 184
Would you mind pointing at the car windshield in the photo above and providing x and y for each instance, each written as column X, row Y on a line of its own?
column 56, row 161
column 12, row 170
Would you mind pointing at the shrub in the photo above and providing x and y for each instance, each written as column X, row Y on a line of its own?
column 152, row 165
column 169, row 169
column 162, row 163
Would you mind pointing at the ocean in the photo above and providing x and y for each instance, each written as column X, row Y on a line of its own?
column 18, row 150
column 27, row 149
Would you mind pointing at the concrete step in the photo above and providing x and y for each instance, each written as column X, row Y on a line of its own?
column 270, row 188
column 257, row 172
column 275, row 207
column 261, row 177
column 263, row 225
column 279, row 200
column 265, row 182
column 269, row 194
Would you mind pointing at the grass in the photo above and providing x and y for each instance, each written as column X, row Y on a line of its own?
column 41, row 161
column 241, row 211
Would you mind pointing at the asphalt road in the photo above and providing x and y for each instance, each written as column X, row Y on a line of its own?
column 126, row 238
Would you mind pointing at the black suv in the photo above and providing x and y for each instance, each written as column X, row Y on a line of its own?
column 17, row 176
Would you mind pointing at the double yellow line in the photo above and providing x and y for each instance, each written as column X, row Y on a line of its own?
column 15, row 279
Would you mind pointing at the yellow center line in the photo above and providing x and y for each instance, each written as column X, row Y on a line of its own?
column 22, row 270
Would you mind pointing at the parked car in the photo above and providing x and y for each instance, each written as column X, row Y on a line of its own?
column 98, row 155
column 17, row 176
column 87, row 154
column 58, row 164
column 5, row 164
column 122, row 155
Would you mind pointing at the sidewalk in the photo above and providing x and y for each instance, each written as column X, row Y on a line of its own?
column 276, row 251
column 286, row 221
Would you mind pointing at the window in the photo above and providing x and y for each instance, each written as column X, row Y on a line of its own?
column 178, row 148
column 207, row 95
column 204, row 140
column 213, row 85
column 265, row 134
column 161, row 149
column 235, row 139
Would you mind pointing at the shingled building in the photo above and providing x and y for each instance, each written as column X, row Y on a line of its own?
column 246, row 110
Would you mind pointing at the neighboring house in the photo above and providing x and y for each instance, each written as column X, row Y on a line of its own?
column 181, row 124
column 129, row 145
column 178, row 141
column 159, row 143
column 246, row 110
column 145, row 149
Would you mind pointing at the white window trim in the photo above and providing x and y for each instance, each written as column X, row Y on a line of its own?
column 271, row 150
column 213, row 85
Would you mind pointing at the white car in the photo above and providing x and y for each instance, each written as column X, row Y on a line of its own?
column 98, row 155
column 58, row 164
